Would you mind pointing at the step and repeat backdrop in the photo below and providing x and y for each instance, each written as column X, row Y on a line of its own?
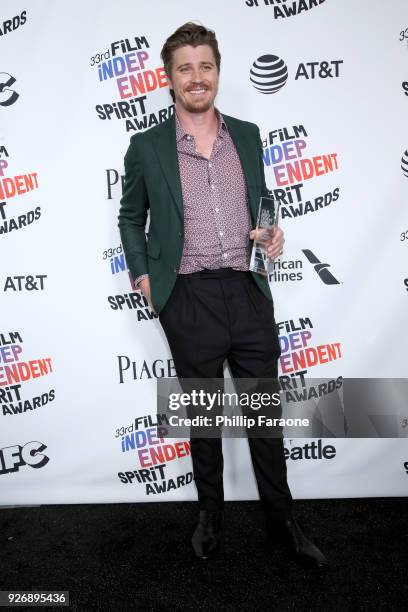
column 326, row 81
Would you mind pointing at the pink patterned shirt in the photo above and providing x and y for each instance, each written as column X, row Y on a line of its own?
column 216, row 214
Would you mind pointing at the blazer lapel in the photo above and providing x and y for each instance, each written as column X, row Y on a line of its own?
column 166, row 150
column 248, row 165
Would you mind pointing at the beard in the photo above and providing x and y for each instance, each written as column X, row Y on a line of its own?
column 199, row 105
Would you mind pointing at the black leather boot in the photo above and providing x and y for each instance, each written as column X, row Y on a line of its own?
column 304, row 550
column 206, row 537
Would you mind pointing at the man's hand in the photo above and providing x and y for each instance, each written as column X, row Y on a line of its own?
column 273, row 242
column 145, row 287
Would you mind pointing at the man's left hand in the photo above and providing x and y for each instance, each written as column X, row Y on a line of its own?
column 274, row 246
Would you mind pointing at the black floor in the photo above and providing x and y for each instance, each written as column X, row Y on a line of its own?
column 138, row 557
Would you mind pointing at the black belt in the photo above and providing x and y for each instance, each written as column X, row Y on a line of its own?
column 218, row 273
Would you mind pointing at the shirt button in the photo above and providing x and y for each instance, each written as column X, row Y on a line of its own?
column 217, row 209
column 212, row 186
column 188, row 137
column 225, row 255
column 209, row 164
column 221, row 233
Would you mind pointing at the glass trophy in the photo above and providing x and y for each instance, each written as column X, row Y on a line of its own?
column 268, row 217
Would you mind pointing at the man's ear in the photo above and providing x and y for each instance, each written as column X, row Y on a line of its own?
column 169, row 81
column 171, row 88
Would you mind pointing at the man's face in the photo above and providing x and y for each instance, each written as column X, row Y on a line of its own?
column 194, row 78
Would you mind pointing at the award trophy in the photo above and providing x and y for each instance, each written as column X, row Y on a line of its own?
column 268, row 217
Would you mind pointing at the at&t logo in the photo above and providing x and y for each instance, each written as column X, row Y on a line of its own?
column 404, row 163
column 268, row 74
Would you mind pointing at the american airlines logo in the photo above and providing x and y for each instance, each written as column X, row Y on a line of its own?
column 321, row 268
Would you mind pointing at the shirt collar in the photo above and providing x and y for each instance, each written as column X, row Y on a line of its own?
column 181, row 133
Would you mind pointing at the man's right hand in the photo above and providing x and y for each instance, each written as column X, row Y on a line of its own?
column 144, row 285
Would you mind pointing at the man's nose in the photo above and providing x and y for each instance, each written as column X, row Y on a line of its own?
column 196, row 76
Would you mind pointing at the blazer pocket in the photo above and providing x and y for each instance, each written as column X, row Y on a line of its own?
column 153, row 249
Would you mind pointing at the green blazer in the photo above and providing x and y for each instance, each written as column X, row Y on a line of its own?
column 152, row 181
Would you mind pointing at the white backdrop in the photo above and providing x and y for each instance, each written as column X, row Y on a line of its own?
column 62, row 271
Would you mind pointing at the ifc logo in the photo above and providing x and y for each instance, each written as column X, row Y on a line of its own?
column 404, row 163
column 268, row 74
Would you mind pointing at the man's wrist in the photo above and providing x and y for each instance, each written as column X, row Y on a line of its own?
column 139, row 279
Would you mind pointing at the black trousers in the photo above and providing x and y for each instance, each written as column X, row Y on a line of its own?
column 210, row 317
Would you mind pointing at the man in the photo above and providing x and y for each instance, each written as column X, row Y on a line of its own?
column 201, row 175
